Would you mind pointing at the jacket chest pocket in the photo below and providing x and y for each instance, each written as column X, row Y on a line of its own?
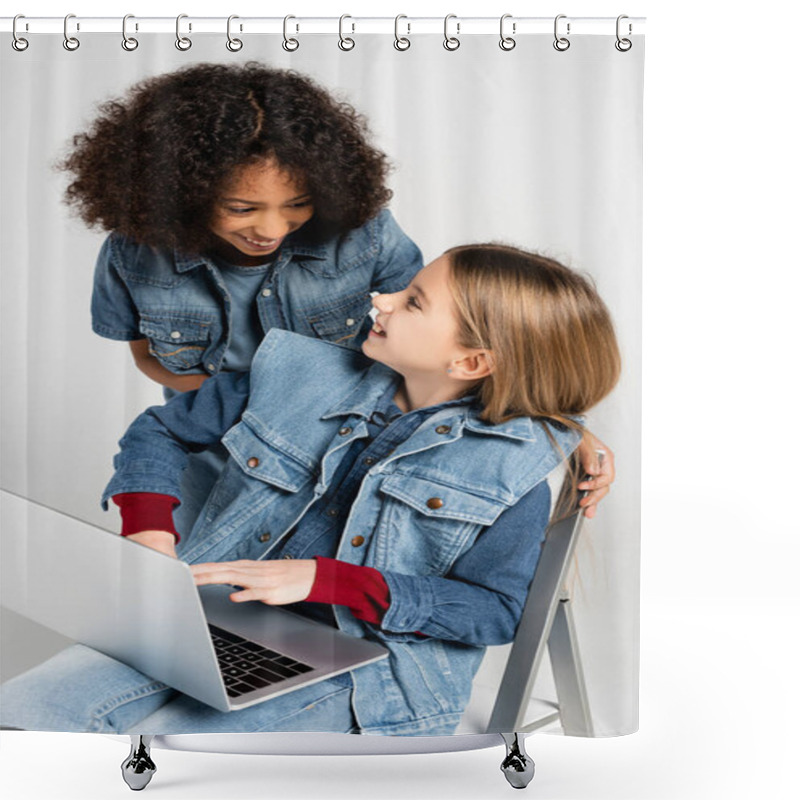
column 341, row 322
column 178, row 342
column 425, row 525
column 261, row 493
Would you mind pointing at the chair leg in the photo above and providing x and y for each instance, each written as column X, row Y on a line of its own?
column 138, row 768
column 518, row 766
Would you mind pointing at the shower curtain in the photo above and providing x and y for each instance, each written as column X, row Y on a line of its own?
column 529, row 144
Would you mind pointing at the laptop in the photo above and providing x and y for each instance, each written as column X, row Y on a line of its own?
column 143, row 608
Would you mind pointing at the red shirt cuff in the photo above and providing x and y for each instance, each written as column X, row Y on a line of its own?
column 146, row 511
column 362, row 589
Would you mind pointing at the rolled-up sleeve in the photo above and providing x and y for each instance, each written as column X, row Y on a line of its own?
column 480, row 601
column 154, row 450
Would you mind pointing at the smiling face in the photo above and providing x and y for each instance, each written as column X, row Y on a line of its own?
column 416, row 334
column 256, row 210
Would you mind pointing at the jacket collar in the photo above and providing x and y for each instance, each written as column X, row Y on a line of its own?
column 361, row 402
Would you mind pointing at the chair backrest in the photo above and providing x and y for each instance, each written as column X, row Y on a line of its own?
column 546, row 619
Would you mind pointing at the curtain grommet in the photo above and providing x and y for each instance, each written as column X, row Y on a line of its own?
column 561, row 43
column 623, row 44
column 289, row 43
column 451, row 43
column 401, row 43
column 346, row 43
column 71, row 43
column 233, row 44
column 129, row 43
column 18, row 42
column 507, row 43
column 183, row 43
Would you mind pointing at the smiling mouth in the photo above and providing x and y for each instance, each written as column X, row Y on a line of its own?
column 378, row 330
column 260, row 243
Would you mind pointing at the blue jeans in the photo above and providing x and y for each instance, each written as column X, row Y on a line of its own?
column 82, row 690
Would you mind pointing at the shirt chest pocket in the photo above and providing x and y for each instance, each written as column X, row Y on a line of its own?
column 178, row 342
column 341, row 323
column 425, row 525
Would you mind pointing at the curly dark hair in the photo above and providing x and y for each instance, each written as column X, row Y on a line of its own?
column 152, row 164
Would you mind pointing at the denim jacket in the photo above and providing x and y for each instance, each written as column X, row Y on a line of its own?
column 416, row 511
column 317, row 287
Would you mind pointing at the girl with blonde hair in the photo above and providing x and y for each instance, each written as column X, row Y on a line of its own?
column 401, row 495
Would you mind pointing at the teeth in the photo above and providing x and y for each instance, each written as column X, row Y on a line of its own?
column 377, row 328
column 260, row 244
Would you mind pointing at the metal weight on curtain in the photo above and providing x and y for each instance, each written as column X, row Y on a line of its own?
column 234, row 45
column 507, row 42
column 346, row 42
column 451, row 42
column 129, row 43
column 182, row 42
column 401, row 42
column 70, row 42
column 561, row 43
column 17, row 42
column 289, row 44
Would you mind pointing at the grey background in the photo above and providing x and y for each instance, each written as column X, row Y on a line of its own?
column 533, row 147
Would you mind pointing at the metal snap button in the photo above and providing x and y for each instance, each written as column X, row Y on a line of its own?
column 211, row 368
column 345, row 431
column 435, row 502
column 175, row 335
column 357, row 541
column 266, row 293
column 287, row 557
column 253, row 462
column 349, row 322
column 265, row 537
column 443, row 429
column 369, row 461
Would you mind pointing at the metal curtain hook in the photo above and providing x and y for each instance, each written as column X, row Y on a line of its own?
column 182, row 42
column 507, row 42
column 234, row 45
column 561, row 43
column 70, row 42
column 289, row 44
column 18, row 43
column 623, row 45
column 451, row 42
column 346, row 42
column 401, row 42
column 129, row 43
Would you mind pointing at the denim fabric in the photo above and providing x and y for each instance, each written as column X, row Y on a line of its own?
column 180, row 303
column 81, row 690
column 419, row 512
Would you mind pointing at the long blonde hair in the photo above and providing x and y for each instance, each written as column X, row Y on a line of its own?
column 551, row 337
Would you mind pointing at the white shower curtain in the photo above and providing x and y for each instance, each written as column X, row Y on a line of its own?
column 532, row 147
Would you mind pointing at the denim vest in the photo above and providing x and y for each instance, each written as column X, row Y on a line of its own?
column 415, row 513
column 316, row 287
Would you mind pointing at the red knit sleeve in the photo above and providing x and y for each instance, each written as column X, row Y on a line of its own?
column 362, row 589
column 146, row 511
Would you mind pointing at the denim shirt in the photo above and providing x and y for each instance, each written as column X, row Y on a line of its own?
column 417, row 516
column 317, row 287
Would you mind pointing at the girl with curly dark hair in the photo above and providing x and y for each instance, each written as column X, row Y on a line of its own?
column 238, row 199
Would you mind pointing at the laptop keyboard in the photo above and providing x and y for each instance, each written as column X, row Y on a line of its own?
column 246, row 665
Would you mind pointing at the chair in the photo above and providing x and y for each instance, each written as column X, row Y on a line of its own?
column 546, row 624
